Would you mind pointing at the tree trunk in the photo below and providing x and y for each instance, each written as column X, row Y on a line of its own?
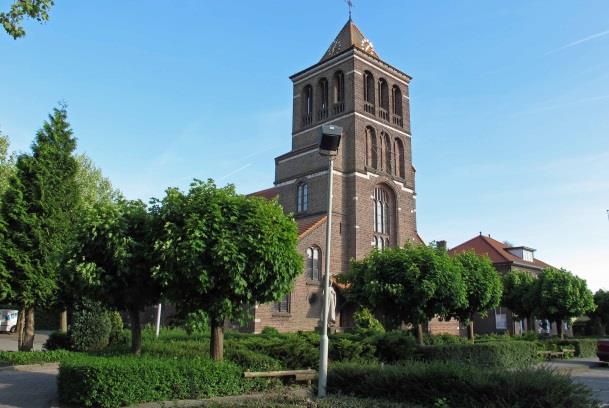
column 63, row 321
column 20, row 327
column 420, row 334
column 216, row 345
column 27, row 344
column 559, row 329
column 470, row 331
column 136, row 332
column 530, row 323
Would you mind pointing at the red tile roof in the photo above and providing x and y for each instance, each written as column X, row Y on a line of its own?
column 269, row 193
column 496, row 251
column 308, row 224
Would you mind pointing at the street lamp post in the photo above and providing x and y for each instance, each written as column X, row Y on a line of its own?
column 328, row 146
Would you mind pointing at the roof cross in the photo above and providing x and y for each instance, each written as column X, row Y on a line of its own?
column 350, row 4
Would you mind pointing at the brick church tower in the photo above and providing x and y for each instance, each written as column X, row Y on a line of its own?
column 374, row 180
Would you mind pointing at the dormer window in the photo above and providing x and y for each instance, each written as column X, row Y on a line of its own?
column 522, row 252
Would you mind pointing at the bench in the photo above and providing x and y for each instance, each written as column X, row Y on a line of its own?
column 548, row 355
column 297, row 375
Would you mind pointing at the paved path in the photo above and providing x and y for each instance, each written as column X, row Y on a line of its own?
column 8, row 342
column 28, row 386
column 587, row 371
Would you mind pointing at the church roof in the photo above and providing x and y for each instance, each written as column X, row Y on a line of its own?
column 496, row 251
column 350, row 36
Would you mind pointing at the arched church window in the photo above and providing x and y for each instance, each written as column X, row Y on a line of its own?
column 372, row 157
column 387, row 155
column 302, row 197
column 307, row 113
column 383, row 99
column 313, row 266
column 339, row 92
column 399, row 159
column 396, row 106
column 323, row 99
column 383, row 218
column 369, row 92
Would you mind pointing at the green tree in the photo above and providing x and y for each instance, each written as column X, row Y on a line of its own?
column 12, row 20
column 519, row 294
column 117, row 258
column 38, row 219
column 94, row 190
column 223, row 253
column 483, row 287
column 561, row 295
column 601, row 300
column 407, row 285
column 7, row 163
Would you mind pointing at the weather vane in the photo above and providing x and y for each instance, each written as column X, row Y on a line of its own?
column 350, row 4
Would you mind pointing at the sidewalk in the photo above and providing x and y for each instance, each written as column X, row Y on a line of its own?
column 33, row 386
column 587, row 371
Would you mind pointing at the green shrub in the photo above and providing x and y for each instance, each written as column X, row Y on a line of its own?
column 105, row 382
column 117, row 335
column 294, row 351
column 269, row 331
column 506, row 354
column 249, row 360
column 196, row 323
column 58, row 341
column 459, row 385
column 90, row 328
column 364, row 319
column 9, row 358
column 393, row 346
column 344, row 349
column 439, row 339
column 583, row 347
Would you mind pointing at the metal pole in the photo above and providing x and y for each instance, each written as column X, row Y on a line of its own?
column 323, row 344
column 158, row 319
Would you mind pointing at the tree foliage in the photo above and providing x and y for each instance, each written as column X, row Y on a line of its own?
column 560, row 295
column 519, row 293
column 407, row 285
column 223, row 253
column 12, row 20
column 116, row 255
column 38, row 218
column 601, row 300
column 7, row 163
column 483, row 286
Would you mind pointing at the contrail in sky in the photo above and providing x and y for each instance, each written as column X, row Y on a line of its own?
column 580, row 41
column 235, row 171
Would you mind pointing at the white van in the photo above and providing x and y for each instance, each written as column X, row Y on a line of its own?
column 8, row 320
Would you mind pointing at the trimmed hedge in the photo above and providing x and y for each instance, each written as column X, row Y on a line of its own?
column 498, row 354
column 58, row 341
column 583, row 347
column 107, row 382
column 441, row 384
column 8, row 358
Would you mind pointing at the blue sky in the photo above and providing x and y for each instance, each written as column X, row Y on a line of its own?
column 510, row 103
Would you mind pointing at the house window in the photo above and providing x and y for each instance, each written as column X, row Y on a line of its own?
column 382, row 217
column 284, row 305
column 500, row 319
column 302, row 197
column 313, row 267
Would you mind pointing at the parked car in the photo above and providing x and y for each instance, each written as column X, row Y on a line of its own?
column 8, row 320
column 603, row 350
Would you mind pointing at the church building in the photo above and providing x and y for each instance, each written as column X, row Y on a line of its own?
column 374, row 199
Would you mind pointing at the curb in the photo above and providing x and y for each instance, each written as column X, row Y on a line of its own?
column 28, row 367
